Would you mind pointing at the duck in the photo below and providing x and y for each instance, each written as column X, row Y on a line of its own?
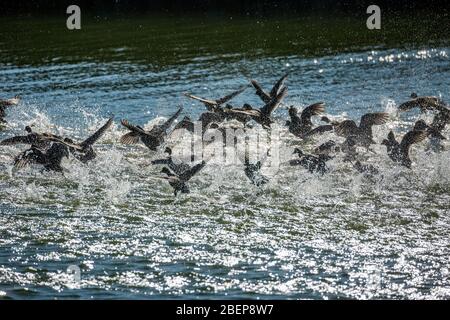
column 152, row 139
column 178, row 181
column 327, row 148
column 177, row 168
column 367, row 170
column 215, row 105
column 253, row 171
column 6, row 103
column 41, row 141
column 399, row 152
column 363, row 133
column 87, row 152
column 263, row 114
column 425, row 103
column 302, row 126
column 50, row 159
column 267, row 97
column 310, row 162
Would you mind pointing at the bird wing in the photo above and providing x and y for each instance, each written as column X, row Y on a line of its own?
column 313, row 110
column 370, row 119
column 161, row 161
column 93, row 138
column 410, row 138
column 319, row 130
column 26, row 158
column 133, row 128
column 185, row 176
column 408, row 105
column 230, row 96
column 55, row 139
column 273, row 104
column 203, row 100
column 276, row 88
column 346, row 128
column 169, row 121
column 15, row 140
column 265, row 97
column 130, row 138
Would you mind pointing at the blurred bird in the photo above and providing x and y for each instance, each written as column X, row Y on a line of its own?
column 153, row 138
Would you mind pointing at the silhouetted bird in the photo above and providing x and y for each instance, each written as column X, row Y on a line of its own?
column 310, row 162
column 263, row 115
column 399, row 152
column 178, row 181
column 267, row 97
column 87, row 153
column 424, row 103
column 178, row 168
column 362, row 133
column 216, row 105
column 302, row 126
column 153, row 138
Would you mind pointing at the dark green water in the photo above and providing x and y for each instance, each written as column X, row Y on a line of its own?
column 301, row 236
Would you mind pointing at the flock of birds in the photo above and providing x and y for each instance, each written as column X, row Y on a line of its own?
column 48, row 150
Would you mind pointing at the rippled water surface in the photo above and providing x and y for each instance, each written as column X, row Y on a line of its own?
column 300, row 236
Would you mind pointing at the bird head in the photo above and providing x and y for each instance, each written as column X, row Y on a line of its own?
column 413, row 95
column 420, row 125
column 325, row 119
column 298, row 151
column 292, row 111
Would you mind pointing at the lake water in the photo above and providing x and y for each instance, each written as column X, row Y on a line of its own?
column 300, row 236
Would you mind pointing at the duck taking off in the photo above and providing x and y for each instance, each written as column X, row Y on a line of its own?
column 177, row 168
column 263, row 114
column 310, row 162
column 399, row 152
column 178, row 181
column 267, row 97
column 425, row 103
column 87, row 153
column 4, row 104
column 153, row 138
column 363, row 133
column 216, row 105
column 302, row 126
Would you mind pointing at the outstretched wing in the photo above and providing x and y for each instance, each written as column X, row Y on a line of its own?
column 169, row 121
column 273, row 104
column 93, row 138
column 26, row 158
column 185, row 176
column 346, row 128
column 319, row 130
column 202, row 100
column 276, row 88
column 16, row 140
column 410, row 138
column 265, row 97
column 133, row 128
column 230, row 96
column 408, row 105
column 370, row 119
column 312, row 110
